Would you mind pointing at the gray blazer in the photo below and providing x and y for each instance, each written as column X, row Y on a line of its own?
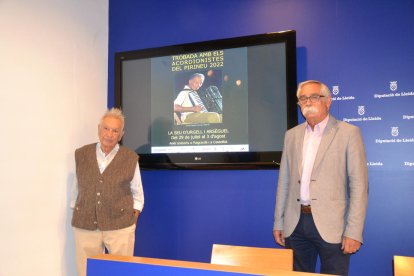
column 339, row 183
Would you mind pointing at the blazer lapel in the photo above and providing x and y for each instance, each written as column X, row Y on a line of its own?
column 327, row 138
column 299, row 151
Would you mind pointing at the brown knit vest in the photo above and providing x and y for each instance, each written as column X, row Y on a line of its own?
column 104, row 200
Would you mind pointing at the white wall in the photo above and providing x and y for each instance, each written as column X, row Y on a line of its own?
column 53, row 87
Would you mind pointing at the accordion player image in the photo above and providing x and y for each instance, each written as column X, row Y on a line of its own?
column 198, row 106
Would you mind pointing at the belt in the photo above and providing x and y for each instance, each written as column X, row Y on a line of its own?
column 306, row 209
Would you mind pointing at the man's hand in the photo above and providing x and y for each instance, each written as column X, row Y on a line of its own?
column 197, row 108
column 350, row 246
column 278, row 235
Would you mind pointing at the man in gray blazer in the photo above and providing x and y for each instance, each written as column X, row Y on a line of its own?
column 322, row 191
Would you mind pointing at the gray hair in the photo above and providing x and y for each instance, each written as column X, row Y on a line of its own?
column 114, row 113
column 197, row 75
column 324, row 89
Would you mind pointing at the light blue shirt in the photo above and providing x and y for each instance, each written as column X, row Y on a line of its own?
column 311, row 143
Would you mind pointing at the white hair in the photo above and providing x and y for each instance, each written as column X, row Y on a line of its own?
column 324, row 89
column 114, row 113
column 198, row 75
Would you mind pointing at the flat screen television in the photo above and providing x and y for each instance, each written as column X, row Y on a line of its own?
column 219, row 104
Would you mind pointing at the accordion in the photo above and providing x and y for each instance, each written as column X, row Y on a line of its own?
column 212, row 99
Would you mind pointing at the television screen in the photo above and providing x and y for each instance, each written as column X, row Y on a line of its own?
column 220, row 104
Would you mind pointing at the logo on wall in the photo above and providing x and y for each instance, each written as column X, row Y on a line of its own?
column 403, row 143
column 335, row 89
column 361, row 110
column 335, row 92
column 394, row 93
column 393, row 85
column 394, row 131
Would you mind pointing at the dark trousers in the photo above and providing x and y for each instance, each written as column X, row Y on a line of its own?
column 307, row 244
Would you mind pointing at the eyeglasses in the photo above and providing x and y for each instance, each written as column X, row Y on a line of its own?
column 312, row 98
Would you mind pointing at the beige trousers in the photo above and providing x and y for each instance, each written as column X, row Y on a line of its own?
column 90, row 243
column 202, row 118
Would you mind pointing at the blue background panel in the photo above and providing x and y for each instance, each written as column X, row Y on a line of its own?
column 356, row 47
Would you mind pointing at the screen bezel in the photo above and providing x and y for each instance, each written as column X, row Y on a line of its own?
column 225, row 160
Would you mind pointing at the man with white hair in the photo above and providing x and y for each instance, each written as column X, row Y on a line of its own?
column 107, row 195
column 190, row 106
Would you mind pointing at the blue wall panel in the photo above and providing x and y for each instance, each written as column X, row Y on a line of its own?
column 187, row 211
column 356, row 47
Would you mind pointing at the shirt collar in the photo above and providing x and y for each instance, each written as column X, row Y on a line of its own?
column 319, row 128
column 112, row 153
